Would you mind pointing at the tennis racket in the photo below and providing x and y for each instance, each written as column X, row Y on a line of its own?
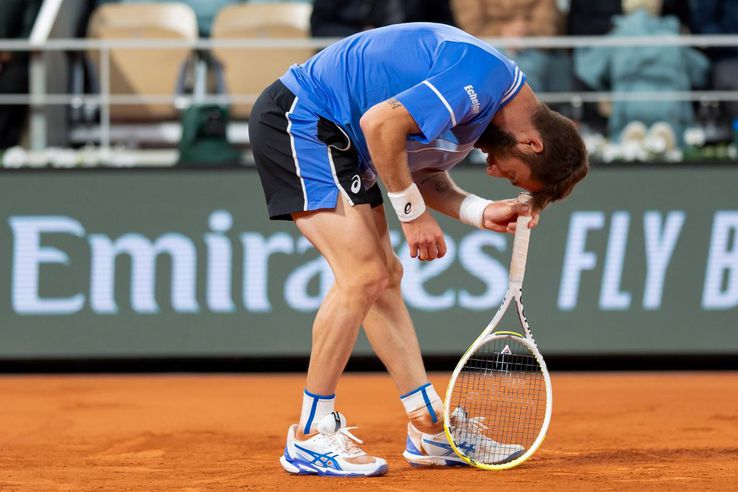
column 498, row 402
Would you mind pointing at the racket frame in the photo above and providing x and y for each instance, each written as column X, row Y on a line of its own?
column 514, row 293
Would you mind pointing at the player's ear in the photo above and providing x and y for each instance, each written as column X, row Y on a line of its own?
column 535, row 142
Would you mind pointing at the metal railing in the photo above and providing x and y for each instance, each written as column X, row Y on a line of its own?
column 39, row 98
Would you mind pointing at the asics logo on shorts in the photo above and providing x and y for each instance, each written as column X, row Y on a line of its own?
column 355, row 184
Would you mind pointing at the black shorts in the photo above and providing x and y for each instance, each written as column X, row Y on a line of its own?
column 304, row 160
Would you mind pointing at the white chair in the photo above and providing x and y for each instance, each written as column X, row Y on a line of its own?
column 145, row 71
column 248, row 71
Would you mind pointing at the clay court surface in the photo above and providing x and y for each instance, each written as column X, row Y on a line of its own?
column 614, row 431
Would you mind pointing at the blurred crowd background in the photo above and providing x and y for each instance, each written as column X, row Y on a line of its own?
column 189, row 104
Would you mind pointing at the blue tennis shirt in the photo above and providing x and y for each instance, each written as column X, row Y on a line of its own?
column 451, row 83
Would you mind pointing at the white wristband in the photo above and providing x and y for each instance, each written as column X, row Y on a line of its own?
column 472, row 210
column 408, row 203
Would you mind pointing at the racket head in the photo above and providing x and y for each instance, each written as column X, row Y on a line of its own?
column 503, row 388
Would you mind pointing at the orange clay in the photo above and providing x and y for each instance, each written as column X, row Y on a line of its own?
column 617, row 431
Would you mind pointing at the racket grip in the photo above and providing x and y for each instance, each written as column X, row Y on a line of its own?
column 520, row 244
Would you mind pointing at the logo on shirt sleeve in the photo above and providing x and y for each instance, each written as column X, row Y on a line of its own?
column 474, row 99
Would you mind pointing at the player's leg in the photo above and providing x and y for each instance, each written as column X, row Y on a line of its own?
column 298, row 175
column 347, row 239
column 310, row 171
column 392, row 335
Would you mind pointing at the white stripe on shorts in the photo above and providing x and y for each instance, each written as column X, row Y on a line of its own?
column 335, row 177
column 294, row 152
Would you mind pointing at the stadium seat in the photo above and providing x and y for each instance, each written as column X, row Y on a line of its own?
column 250, row 70
column 148, row 71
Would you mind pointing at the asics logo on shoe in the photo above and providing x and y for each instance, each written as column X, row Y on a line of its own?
column 464, row 446
column 446, row 447
column 330, row 453
column 326, row 460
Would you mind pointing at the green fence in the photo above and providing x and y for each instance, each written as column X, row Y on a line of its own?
column 184, row 263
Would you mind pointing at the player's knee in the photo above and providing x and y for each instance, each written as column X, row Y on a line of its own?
column 376, row 282
column 395, row 271
column 368, row 282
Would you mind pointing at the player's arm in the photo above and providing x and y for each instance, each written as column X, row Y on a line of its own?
column 442, row 194
column 386, row 127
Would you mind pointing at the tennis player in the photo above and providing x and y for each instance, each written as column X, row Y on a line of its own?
column 402, row 104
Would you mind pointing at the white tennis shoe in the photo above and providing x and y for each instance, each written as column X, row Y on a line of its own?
column 330, row 452
column 434, row 450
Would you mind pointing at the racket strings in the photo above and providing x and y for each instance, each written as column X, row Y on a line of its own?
column 501, row 392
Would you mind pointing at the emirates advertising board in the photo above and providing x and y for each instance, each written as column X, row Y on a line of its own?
column 184, row 263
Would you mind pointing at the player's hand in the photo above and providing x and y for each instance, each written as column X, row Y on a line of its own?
column 502, row 215
column 425, row 238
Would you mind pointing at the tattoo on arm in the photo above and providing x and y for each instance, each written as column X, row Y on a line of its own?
column 442, row 186
column 438, row 181
column 394, row 103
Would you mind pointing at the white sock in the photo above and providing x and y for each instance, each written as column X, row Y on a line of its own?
column 423, row 407
column 314, row 408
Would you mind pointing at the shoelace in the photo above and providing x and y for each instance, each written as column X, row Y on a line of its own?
column 345, row 440
column 473, row 424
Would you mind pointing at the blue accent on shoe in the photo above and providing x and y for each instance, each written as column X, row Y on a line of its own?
column 514, row 456
column 321, row 461
column 419, row 388
column 464, row 446
column 299, row 464
column 445, row 446
column 306, row 468
column 454, row 463
column 410, row 447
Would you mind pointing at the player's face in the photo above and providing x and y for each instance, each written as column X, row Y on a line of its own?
column 506, row 160
column 514, row 169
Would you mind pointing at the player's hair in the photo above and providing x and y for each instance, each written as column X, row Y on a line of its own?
column 563, row 162
column 561, row 165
